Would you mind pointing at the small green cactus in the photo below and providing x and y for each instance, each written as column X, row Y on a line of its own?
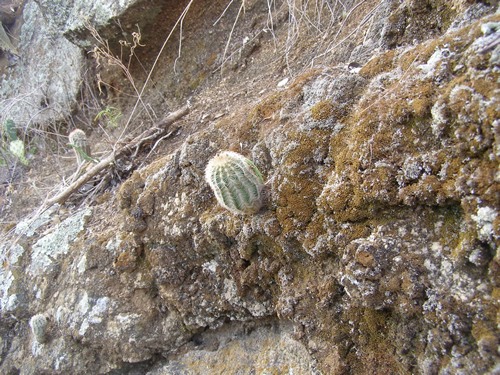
column 78, row 140
column 38, row 324
column 10, row 130
column 16, row 146
column 17, row 149
column 236, row 182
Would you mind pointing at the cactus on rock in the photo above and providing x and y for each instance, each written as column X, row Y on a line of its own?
column 38, row 324
column 236, row 182
column 78, row 140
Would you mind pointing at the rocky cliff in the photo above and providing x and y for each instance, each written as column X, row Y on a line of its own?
column 376, row 127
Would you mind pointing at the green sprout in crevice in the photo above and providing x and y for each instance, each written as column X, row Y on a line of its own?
column 110, row 115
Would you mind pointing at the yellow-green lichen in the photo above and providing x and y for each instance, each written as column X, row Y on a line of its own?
column 299, row 187
column 322, row 110
column 379, row 64
column 379, row 353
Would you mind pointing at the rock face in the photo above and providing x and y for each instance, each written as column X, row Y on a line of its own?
column 375, row 250
column 43, row 79
column 47, row 64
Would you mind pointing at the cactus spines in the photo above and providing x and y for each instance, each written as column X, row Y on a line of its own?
column 78, row 140
column 236, row 182
column 38, row 324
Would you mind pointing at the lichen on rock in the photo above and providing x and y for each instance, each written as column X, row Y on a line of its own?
column 47, row 250
column 377, row 248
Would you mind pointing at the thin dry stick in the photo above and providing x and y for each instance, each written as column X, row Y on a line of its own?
column 242, row 7
column 180, row 45
column 363, row 21
column 108, row 160
column 347, row 17
column 224, row 12
column 102, row 50
column 148, row 78
column 221, row 66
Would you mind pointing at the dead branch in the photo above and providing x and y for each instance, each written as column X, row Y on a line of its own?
column 154, row 132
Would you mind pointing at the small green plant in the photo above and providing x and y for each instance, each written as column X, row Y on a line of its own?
column 111, row 115
column 16, row 145
column 10, row 130
column 236, row 182
column 38, row 324
column 78, row 141
column 16, row 148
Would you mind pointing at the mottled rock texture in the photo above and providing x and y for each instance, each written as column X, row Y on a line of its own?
column 43, row 79
column 43, row 82
column 374, row 253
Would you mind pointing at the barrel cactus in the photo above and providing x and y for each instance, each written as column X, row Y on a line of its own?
column 236, row 182
column 78, row 140
column 38, row 324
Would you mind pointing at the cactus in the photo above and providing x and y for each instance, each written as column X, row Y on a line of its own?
column 38, row 324
column 78, row 140
column 236, row 182
column 16, row 146
column 10, row 129
column 17, row 149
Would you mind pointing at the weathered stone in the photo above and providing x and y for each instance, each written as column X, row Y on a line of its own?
column 113, row 20
column 41, row 88
column 375, row 250
column 243, row 349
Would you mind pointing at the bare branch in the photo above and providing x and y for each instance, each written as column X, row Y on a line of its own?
column 157, row 131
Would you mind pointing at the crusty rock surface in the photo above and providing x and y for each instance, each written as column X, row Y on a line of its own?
column 375, row 251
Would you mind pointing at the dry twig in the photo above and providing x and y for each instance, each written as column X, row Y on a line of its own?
column 155, row 132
